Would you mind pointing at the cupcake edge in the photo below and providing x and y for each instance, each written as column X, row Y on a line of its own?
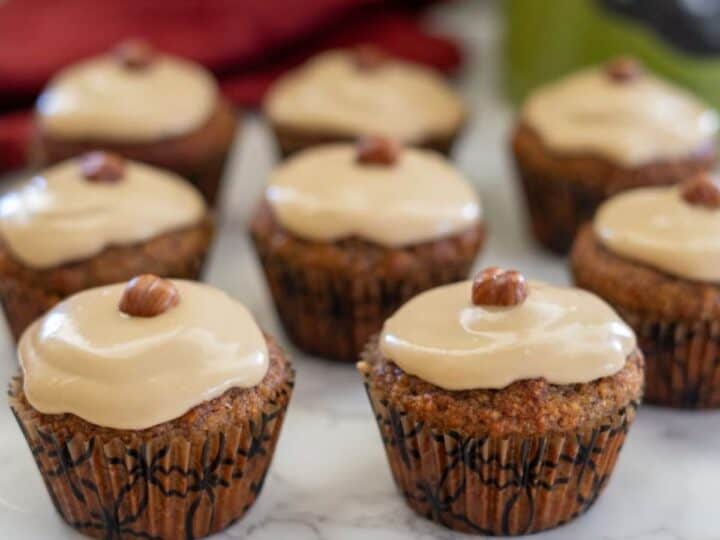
column 187, row 482
column 489, row 484
column 677, row 329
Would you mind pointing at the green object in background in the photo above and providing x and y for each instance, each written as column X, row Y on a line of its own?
column 547, row 39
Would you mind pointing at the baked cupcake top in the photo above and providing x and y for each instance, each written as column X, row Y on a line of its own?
column 363, row 92
column 675, row 229
column 131, row 94
column 137, row 355
column 499, row 329
column 621, row 113
column 373, row 190
column 77, row 208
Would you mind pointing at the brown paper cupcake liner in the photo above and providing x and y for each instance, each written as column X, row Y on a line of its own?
column 682, row 360
column 171, row 486
column 332, row 312
column 503, row 486
column 557, row 208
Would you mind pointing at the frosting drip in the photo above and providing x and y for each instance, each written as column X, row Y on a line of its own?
column 396, row 99
column 325, row 194
column 101, row 99
column 632, row 123
column 59, row 216
column 87, row 358
column 564, row 335
column 658, row 227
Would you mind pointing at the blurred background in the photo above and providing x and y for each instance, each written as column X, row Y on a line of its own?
column 248, row 43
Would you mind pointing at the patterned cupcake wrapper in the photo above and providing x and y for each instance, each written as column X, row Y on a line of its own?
column 682, row 360
column 331, row 313
column 165, row 488
column 505, row 486
column 557, row 208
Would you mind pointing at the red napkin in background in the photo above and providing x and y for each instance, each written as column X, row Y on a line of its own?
column 247, row 43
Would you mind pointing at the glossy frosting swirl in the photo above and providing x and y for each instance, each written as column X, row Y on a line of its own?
column 100, row 99
column 398, row 99
column 87, row 358
column 59, row 216
column 631, row 123
column 564, row 335
column 324, row 194
column 658, row 227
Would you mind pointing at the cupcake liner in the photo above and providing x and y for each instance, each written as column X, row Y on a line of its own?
column 503, row 486
column 166, row 487
column 682, row 360
column 332, row 311
column 557, row 207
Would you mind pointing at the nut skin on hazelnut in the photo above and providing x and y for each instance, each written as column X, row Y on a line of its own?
column 148, row 295
column 102, row 166
column 377, row 150
column 369, row 57
column 497, row 287
column 624, row 69
column 134, row 53
column 703, row 190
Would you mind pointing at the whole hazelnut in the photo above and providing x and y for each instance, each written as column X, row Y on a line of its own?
column 497, row 287
column 148, row 295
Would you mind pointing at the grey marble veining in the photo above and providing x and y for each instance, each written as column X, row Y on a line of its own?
column 329, row 479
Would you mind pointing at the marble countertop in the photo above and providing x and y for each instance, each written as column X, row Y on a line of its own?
column 330, row 479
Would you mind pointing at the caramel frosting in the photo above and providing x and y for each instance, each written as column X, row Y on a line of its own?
column 325, row 194
column 564, row 335
column 631, row 122
column 88, row 358
column 399, row 99
column 101, row 99
column 60, row 216
column 658, row 227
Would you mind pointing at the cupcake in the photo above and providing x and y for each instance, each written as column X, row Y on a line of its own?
column 152, row 409
column 503, row 404
column 142, row 104
column 654, row 255
column 95, row 220
column 341, row 95
column 601, row 131
column 347, row 233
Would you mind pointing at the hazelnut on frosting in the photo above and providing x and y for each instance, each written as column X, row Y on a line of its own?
column 674, row 229
column 622, row 113
column 132, row 94
column 137, row 355
column 77, row 208
column 364, row 92
column 499, row 329
column 375, row 191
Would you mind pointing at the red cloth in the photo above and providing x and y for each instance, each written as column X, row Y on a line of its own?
column 247, row 43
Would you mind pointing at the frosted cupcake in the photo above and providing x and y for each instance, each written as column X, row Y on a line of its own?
column 347, row 233
column 503, row 404
column 142, row 104
column 600, row 131
column 654, row 254
column 95, row 220
column 342, row 95
column 152, row 409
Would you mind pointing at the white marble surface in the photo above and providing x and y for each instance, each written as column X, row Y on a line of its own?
column 329, row 479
